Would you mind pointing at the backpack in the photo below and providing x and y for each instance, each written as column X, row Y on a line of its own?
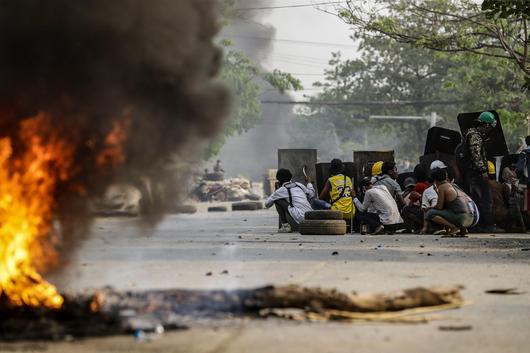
column 462, row 156
column 522, row 168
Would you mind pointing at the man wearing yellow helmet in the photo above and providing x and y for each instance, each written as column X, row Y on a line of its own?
column 377, row 168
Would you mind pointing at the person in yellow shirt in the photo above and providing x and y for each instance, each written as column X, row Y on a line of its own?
column 339, row 190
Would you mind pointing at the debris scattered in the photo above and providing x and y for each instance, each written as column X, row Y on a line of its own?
column 101, row 313
column 507, row 291
column 455, row 328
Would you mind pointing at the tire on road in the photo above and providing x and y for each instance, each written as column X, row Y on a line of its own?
column 244, row 206
column 324, row 214
column 322, row 227
column 218, row 209
column 186, row 209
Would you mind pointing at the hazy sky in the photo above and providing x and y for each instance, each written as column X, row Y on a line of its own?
column 304, row 39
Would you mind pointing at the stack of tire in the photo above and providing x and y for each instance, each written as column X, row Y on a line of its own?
column 323, row 222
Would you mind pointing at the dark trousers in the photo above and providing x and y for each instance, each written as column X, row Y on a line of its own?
column 413, row 217
column 282, row 206
column 480, row 192
column 370, row 219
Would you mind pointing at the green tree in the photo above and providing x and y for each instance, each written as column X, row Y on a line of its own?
column 389, row 71
column 387, row 74
column 498, row 29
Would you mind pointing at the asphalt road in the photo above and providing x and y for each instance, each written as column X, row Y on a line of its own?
column 183, row 248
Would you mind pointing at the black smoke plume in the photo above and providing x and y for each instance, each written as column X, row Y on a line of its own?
column 89, row 64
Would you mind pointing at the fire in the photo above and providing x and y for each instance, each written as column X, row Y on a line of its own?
column 29, row 175
column 113, row 154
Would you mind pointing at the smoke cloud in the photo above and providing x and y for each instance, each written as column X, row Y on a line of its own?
column 90, row 63
column 127, row 83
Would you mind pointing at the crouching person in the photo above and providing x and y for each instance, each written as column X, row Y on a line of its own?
column 291, row 201
column 338, row 190
column 454, row 209
column 378, row 209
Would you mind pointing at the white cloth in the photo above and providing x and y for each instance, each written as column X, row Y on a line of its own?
column 300, row 196
column 379, row 200
column 429, row 198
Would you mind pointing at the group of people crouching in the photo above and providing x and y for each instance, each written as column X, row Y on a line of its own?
column 430, row 203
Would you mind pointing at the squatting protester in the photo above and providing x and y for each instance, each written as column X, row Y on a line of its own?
column 412, row 213
column 291, row 201
column 337, row 192
column 454, row 209
column 388, row 179
column 378, row 209
column 429, row 199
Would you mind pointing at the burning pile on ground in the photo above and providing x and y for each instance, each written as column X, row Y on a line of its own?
column 92, row 93
column 109, row 312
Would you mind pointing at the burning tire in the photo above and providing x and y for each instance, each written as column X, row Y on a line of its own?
column 323, row 227
column 246, row 206
column 218, row 209
column 324, row 214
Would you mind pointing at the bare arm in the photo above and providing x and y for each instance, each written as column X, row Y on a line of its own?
column 324, row 194
column 441, row 197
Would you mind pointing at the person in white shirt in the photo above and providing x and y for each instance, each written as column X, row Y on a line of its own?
column 291, row 201
column 378, row 209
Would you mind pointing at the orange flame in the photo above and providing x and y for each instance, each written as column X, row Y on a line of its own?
column 113, row 154
column 28, row 182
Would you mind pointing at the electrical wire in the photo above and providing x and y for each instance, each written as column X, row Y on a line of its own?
column 288, row 6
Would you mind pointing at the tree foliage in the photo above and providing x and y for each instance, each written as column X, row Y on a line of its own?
column 498, row 29
column 389, row 71
column 386, row 72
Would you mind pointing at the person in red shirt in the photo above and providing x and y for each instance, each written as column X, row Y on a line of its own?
column 412, row 213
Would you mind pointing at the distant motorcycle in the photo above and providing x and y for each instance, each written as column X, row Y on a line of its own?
column 205, row 192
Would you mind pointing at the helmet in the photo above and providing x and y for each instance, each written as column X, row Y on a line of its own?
column 409, row 182
column 377, row 168
column 491, row 168
column 488, row 118
column 437, row 164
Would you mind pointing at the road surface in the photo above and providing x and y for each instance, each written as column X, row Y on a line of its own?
column 183, row 248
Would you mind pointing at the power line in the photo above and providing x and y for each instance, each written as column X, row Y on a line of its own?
column 295, row 41
column 288, row 6
column 361, row 103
